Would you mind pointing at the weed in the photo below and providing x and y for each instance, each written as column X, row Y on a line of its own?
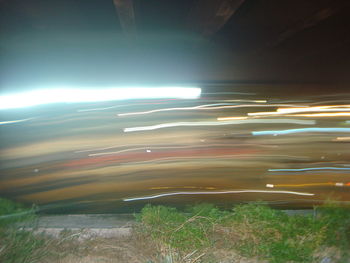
column 11, row 212
column 254, row 230
column 18, row 246
column 176, row 229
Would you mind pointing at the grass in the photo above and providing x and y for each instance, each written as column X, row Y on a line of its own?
column 11, row 212
column 18, row 246
column 202, row 233
column 252, row 230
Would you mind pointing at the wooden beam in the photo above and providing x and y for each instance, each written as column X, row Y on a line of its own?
column 208, row 16
column 126, row 14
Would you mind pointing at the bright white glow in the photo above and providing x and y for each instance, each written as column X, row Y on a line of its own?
column 70, row 95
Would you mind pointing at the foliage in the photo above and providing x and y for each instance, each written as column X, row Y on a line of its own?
column 254, row 230
column 18, row 246
column 176, row 229
column 12, row 212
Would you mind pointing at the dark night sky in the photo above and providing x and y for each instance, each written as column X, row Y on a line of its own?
column 81, row 43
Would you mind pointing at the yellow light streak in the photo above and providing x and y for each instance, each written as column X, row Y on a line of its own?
column 342, row 139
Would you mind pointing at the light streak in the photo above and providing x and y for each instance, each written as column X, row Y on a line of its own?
column 342, row 139
column 231, row 118
column 72, row 95
column 291, row 121
column 309, row 169
column 315, row 108
column 303, row 185
column 109, row 147
column 184, row 187
column 16, row 121
column 101, row 109
column 215, row 123
column 210, row 158
column 336, row 114
column 146, row 146
column 290, row 131
column 215, row 193
column 158, row 148
column 216, row 106
column 284, row 111
column 207, row 158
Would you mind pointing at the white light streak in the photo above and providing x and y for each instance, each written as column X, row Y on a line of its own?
column 16, row 121
column 290, row 131
column 215, row 193
column 101, row 109
column 335, row 114
column 156, row 148
column 284, row 111
column 72, row 95
column 215, row 123
column 216, row 106
column 231, row 118
column 315, row 109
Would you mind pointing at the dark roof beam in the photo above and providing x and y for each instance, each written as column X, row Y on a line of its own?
column 303, row 24
column 126, row 14
column 208, row 16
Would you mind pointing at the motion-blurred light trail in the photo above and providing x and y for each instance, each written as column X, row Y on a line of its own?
column 101, row 109
column 335, row 114
column 309, row 169
column 315, row 109
column 72, row 95
column 304, row 185
column 215, row 123
column 290, row 131
column 342, row 139
column 285, row 111
column 217, row 106
column 215, row 193
column 16, row 121
column 152, row 148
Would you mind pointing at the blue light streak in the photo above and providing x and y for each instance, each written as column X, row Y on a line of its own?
column 309, row 169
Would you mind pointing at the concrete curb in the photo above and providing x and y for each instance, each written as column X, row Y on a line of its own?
column 88, row 226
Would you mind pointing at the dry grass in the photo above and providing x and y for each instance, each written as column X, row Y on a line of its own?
column 138, row 248
column 248, row 234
